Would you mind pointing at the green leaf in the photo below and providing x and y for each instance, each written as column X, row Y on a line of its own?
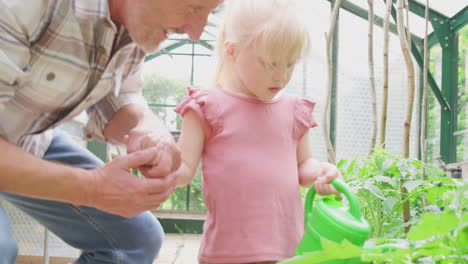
column 385, row 179
column 462, row 238
column 376, row 191
column 433, row 225
column 437, row 247
column 389, row 203
column 331, row 251
column 411, row 185
column 399, row 254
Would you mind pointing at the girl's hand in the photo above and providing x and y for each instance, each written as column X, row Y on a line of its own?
column 326, row 172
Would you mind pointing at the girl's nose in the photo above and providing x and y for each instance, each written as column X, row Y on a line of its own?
column 280, row 75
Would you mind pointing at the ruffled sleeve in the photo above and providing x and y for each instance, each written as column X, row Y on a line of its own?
column 303, row 117
column 198, row 100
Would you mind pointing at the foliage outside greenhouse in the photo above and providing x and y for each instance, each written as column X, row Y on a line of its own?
column 161, row 93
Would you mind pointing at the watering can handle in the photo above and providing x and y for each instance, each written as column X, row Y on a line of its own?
column 354, row 206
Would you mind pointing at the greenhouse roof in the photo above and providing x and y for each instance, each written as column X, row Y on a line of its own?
column 441, row 10
column 448, row 8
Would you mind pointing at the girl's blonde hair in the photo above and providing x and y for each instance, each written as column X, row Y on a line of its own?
column 276, row 27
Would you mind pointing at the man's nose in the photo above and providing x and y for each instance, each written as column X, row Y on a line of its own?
column 195, row 30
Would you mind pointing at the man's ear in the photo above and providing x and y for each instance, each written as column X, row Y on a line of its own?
column 230, row 49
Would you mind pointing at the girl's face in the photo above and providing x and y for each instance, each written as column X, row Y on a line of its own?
column 258, row 78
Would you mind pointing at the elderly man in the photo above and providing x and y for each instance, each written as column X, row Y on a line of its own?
column 57, row 59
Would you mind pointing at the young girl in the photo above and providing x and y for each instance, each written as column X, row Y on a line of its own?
column 251, row 138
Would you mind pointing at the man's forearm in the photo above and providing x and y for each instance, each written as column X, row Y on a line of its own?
column 25, row 174
column 130, row 117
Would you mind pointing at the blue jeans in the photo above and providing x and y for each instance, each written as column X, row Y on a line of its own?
column 102, row 237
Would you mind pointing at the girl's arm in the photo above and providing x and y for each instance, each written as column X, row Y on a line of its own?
column 312, row 171
column 191, row 143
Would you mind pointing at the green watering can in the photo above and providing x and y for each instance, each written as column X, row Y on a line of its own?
column 329, row 219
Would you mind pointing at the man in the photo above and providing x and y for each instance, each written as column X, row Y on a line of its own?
column 58, row 58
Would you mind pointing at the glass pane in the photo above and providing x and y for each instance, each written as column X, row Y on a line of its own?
column 197, row 203
column 175, row 67
column 462, row 116
column 434, row 118
column 204, row 71
column 177, row 201
column 354, row 112
column 462, row 146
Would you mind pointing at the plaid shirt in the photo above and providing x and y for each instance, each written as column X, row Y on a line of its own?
column 57, row 59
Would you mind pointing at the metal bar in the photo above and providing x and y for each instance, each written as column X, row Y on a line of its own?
column 98, row 148
column 193, row 64
column 420, row 9
column 167, row 49
column 459, row 20
column 161, row 105
column 181, row 42
column 362, row 13
column 46, row 246
column 187, row 199
column 432, row 83
column 205, row 44
column 448, row 124
column 432, row 40
column 186, row 54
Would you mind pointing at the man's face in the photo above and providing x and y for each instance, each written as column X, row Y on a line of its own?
column 149, row 22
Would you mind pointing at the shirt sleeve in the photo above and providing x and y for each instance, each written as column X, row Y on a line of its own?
column 202, row 102
column 130, row 92
column 14, row 58
column 303, row 117
column 14, row 51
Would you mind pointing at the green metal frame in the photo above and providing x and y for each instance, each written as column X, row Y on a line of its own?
column 98, row 148
column 364, row 14
column 181, row 42
column 445, row 34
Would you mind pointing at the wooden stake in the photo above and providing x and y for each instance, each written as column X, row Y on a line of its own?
column 383, row 117
column 409, row 103
column 424, row 97
column 371, row 76
column 326, row 115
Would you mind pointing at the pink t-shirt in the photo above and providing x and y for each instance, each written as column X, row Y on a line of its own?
column 250, row 177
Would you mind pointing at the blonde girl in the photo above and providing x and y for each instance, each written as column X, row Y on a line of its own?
column 252, row 138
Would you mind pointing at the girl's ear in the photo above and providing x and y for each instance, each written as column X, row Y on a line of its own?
column 230, row 49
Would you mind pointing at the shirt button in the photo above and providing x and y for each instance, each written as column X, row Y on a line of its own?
column 50, row 76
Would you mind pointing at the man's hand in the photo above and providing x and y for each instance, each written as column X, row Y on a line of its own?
column 167, row 157
column 115, row 190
